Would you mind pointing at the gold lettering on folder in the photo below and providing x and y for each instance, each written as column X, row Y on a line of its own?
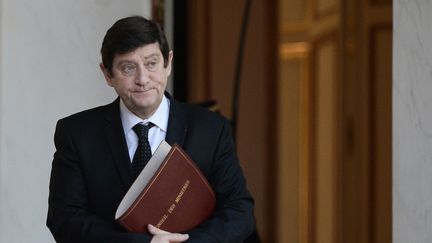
column 173, row 205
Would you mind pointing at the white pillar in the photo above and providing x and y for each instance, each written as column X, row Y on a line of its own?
column 49, row 57
column 412, row 121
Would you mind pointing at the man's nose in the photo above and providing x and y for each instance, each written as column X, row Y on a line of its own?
column 142, row 77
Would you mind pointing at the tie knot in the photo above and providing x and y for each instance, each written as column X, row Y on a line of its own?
column 141, row 130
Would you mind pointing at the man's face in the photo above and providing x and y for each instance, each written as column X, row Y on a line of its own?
column 140, row 78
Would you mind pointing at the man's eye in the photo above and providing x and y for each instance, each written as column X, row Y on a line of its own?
column 151, row 65
column 128, row 69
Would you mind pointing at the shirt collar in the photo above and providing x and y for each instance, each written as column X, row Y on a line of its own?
column 159, row 118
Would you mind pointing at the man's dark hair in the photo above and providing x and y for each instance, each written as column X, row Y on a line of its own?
column 130, row 33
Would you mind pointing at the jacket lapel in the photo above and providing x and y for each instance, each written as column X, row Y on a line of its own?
column 177, row 127
column 117, row 142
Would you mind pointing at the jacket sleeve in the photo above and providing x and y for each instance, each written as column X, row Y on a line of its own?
column 233, row 220
column 69, row 218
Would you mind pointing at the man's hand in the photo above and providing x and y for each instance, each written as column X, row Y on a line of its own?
column 160, row 236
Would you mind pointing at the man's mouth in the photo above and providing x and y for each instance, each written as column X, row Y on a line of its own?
column 142, row 91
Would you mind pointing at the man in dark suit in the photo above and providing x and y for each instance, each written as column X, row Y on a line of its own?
column 93, row 164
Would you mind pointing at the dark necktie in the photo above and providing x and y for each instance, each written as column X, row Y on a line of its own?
column 143, row 152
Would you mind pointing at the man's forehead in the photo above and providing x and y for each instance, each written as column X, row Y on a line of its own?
column 138, row 54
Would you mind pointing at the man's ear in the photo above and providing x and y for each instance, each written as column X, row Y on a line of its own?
column 170, row 58
column 107, row 74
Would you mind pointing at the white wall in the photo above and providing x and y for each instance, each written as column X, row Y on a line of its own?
column 49, row 56
column 169, row 33
column 412, row 121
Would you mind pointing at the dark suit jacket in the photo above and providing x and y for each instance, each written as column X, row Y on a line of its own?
column 91, row 173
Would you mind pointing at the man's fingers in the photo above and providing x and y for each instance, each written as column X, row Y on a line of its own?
column 169, row 238
column 155, row 231
column 177, row 237
column 167, row 235
column 164, row 236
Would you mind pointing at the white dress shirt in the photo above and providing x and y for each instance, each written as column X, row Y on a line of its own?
column 156, row 134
